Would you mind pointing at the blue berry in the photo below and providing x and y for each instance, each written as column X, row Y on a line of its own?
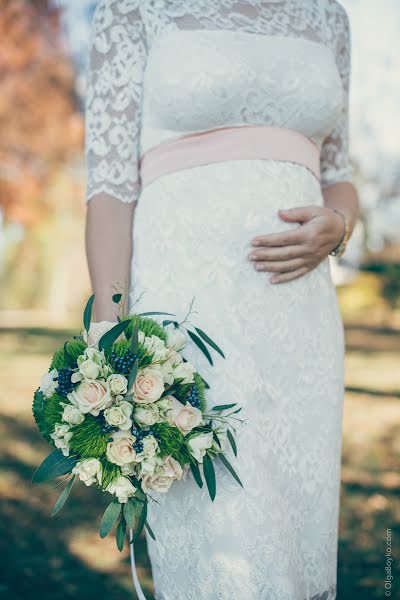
column 65, row 386
column 138, row 446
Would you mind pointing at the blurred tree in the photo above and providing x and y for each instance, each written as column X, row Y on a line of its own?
column 40, row 126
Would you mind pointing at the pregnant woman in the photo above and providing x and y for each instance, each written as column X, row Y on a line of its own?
column 218, row 169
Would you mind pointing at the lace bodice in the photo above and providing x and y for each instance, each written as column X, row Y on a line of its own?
column 159, row 69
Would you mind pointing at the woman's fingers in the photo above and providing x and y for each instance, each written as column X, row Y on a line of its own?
column 277, row 253
column 280, row 266
column 282, row 238
column 289, row 276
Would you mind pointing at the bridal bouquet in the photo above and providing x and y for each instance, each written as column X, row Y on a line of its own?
column 126, row 412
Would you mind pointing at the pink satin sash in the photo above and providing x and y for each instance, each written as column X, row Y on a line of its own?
column 230, row 143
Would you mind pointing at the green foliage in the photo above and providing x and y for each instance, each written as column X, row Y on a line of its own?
column 38, row 413
column 87, row 314
column 109, row 472
column 110, row 517
column 172, row 442
column 63, row 497
column 54, row 465
column 88, row 440
column 120, row 533
column 52, row 411
column 209, row 475
column 202, row 391
column 74, row 347
column 148, row 326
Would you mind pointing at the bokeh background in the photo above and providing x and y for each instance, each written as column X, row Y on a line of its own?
column 44, row 284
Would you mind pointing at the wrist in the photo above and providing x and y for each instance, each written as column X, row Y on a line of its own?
column 340, row 247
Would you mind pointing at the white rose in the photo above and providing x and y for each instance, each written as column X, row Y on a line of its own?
column 164, row 476
column 156, row 346
column 149, row 384
column 120, row 450
column 89, row 471
column 150, row 448
column 72, row 415
column 149, row 465
column 61, row 437
column 96, row 331
column 164, row 405
column 184, row 416
column 174, row 359
column 199, row 444
column 48, row 385
column 92, row 354
column 175, row 338
column 122, row 488
column 129, row 468
column 89, row 369
column 119, row 415
column 91, row 397
column 185, row 372
column 118, row 384
column 147, row 415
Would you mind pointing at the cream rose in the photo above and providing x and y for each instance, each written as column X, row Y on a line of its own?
column 61, row 437
column 147, row 415
column 164, row 405
column 185, row 372
column 119, row 415
column 91, row 397
column 48, row 383
column 72, row 415
column 175, row 338
column 174, row 359
column 150, row 448
column 163, row 477
column 198, row 445
column 89, row 369
column 118, row 384
column 185, row 416
column 120, row 450
column 89, row 471
column 149, row 384
column 129, row 468
column 155, row 346
column 122, row 488
column 149, row 465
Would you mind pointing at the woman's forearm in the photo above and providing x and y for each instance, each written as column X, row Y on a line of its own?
column 343, row 196
column 109, row 251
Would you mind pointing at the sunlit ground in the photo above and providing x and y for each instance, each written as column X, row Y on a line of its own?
column 63, row 558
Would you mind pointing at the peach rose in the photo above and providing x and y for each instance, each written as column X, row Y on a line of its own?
column 149, row 384
column 91, row 397
column 163, row 477
column 184, row 416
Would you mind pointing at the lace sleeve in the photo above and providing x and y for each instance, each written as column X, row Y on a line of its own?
column 113, row 100
column 335, row 161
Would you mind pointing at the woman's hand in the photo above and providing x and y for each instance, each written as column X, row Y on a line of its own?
column 291, row 254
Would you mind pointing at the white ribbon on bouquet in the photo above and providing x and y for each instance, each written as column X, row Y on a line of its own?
column 135, row 577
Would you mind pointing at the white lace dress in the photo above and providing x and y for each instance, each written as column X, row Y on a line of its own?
column 160, row 69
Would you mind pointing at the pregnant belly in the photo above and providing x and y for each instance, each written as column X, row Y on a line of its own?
column 192, row 233
column 197, row 224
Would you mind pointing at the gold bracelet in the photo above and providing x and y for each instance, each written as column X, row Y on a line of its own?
column 341, row 247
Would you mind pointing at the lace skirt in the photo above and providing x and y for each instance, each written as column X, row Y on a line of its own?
column 275, row 539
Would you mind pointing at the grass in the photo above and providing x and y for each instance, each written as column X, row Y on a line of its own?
column 64, row 558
